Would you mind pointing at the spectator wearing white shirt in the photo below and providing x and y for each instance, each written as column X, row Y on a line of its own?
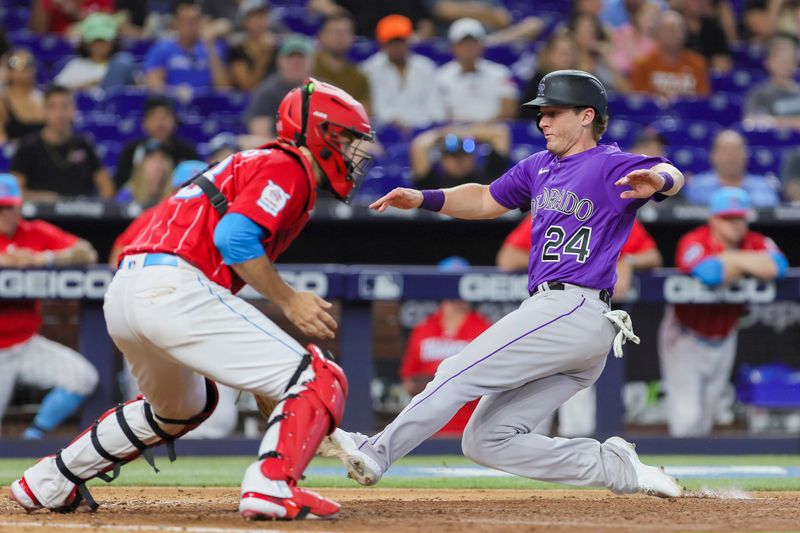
column 400, row 81
column 474, row 89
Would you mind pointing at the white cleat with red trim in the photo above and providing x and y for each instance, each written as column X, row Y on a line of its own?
column 269, row 499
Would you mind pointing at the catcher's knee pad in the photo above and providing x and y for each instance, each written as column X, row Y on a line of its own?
column 119, row 436
column 310, row 409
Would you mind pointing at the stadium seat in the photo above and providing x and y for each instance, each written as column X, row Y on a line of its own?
column 137, row 48
column 525, row 132
column 46, row 48
column 765, row 160
column 388, row 134
column 746, row 55
column 297, row 18
column 6, row 153
column 521, row 151
column 437, row 50
column 505, row 54
column 689, row 158
column 378, row 182
column 623, row 132
column 723, row 108
column 739, row 80
column 638, row 107
column 681, row 132
column 14, row 18
column 768, row 137
column 362, row 49
column 219, row 103
column 109, row 152
column 126, row 101
column 87, row 102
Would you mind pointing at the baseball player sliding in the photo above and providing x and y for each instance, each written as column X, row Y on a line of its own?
column 583, row 197
column 171, row 309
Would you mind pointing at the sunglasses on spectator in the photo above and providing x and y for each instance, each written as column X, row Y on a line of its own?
column 17, row 62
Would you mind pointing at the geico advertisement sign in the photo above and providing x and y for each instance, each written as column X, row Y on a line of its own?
column 493, row 287
column 90, row 284
column 685, row 290
column 316, row 282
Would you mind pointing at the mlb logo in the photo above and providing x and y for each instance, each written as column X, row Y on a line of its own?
column 540, row 90
column 380, row 285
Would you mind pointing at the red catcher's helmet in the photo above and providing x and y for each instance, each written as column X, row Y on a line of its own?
column 332, row 125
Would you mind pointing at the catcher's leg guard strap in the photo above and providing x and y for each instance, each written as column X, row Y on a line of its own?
column 310, row 410
column 119, row 436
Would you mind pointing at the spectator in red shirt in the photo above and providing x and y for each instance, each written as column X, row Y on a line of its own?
column 577, row 415
column 444, row 333
column 56, row 16
column 25, row 356
column 697, row 343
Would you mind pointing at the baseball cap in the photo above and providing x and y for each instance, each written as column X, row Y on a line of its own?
column 453, row 144
column 729, row 202
column 296, row 44
column 251, row 6
column 10, row 193
column 454, row 263
column 99, row 26
column 185, row 170
column 466, row 27
column 393, row 27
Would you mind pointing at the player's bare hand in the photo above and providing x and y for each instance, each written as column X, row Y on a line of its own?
column 401, row 197
column 644, row 183
column 310, row 314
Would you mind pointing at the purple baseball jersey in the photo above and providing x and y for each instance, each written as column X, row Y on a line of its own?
column 579, row 221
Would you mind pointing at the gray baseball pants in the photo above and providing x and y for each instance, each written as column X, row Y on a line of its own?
column 524, row 367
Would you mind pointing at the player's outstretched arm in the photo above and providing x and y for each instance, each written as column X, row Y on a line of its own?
column 470, row 201
column 662, row 178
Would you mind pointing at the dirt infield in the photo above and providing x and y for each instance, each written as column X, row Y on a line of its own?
column 209, row 510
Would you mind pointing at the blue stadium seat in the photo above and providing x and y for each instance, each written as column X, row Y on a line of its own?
column 47, row 48
column 765, row 160
column 525, row 132
column 769, row 137
column 87, row 102
column 639, row 107
column 739, row 80
column 689, row 158
column 6, row 153
column 108, row 152
column 388, row 134
column 137, row 48
column 297, row 19
column 126, row 101
column 437, row 50
column 378, row 182
column 505, row 54
column 623, row 132
column 521, row 151
column 681, row 132
column 219, row 103
column 14, row 18
column 362, row 49
column 724, row 108
column 748, row 56
column 108, row 128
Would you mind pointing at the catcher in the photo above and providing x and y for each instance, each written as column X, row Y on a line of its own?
column 171, row 310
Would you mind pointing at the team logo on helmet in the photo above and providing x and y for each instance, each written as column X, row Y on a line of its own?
column 540, row 90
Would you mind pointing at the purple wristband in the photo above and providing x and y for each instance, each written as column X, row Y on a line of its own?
column 669, row 181
column 432, row 200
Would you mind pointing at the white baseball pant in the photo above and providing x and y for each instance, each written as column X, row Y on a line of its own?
column 694, row 372
column 43, row 363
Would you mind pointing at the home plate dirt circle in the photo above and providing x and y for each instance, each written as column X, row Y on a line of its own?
column 209, row 510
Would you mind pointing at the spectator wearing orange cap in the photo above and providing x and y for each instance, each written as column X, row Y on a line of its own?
column 399, row 80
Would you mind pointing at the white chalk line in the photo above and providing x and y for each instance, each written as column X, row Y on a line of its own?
column 141, row 527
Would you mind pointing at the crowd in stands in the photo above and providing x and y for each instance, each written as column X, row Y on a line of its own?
column 104, row 98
